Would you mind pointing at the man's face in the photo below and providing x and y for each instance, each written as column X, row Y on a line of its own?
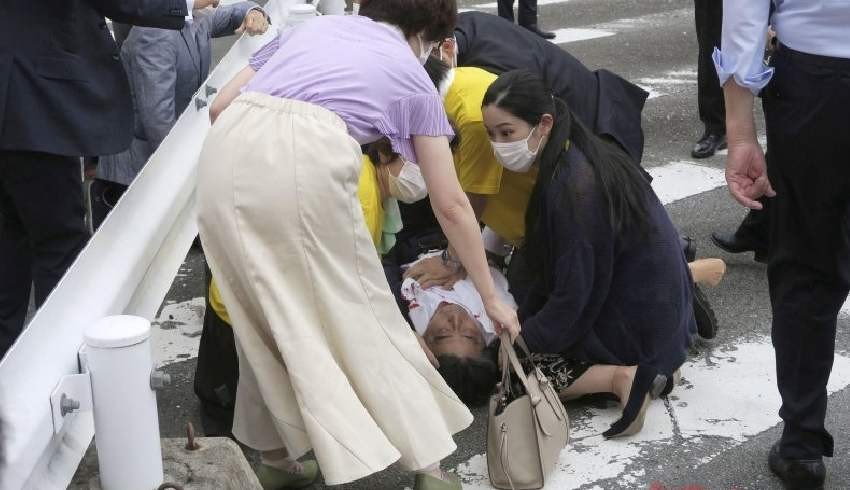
column 452, row 330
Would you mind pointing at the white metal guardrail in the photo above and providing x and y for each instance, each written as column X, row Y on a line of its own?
column 127, row 268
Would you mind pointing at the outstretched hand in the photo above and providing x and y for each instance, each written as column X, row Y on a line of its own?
column 746, row 174
column 254, row 23
column 503, row 317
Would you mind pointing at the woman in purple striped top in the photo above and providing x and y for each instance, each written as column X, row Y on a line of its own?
column 326, row 360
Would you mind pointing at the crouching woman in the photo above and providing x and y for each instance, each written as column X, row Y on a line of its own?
column 610, row 309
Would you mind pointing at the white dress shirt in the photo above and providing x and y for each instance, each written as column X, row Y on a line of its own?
column 820, row 27
column 423, row 303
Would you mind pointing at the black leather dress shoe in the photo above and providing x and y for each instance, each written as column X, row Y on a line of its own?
column 708, row 145
column 735, row 244
column 704, row 315
column 544, row 34
column 797, row 474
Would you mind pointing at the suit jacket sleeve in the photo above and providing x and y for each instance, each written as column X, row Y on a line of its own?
column 154, row 81
column 228, row 18
column 165, row 14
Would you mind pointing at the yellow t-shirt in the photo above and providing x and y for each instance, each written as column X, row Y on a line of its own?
column 477, row 168
column 369, row 194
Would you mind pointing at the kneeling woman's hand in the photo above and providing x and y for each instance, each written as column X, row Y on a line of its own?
column 503, row 317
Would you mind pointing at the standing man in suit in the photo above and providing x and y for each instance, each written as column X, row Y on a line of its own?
column 166, row 68
column 806, row 177
column 63, row 95
column 526, row 15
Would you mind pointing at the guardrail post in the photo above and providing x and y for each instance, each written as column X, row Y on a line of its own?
column 126, row 423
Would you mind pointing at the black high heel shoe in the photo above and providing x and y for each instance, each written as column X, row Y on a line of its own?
column 648, row 384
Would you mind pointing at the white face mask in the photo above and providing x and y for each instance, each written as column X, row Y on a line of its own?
column 409, row 186
column 515, row 155
column 424, row 52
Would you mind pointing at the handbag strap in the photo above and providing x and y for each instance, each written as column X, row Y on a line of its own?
column 513, row 362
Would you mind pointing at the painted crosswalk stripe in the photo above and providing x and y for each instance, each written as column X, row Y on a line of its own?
column 744, row 373
column 571, row 35
column 678, row 180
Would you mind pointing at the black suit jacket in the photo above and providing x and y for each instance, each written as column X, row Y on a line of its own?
column 603, row 101
column 62, row 87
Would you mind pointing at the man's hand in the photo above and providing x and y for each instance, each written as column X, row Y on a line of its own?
column 255, row 23
column 432, row 272
column 746, row 174
column 746, row 170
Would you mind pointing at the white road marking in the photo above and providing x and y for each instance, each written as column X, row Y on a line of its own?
column 744, row 373
column 571, row 35
column 671, row 82
column 678, row 180
column 177, row 331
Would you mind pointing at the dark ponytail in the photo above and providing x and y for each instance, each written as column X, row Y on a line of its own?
column 524, row 94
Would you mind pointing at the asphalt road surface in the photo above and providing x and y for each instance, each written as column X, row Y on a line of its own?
column 715, row 429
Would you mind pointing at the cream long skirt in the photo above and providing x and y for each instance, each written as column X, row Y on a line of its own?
column 326, row 360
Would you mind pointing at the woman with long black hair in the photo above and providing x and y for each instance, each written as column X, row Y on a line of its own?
column 610, row 309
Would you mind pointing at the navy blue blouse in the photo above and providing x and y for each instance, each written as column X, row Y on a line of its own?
column 602, row 297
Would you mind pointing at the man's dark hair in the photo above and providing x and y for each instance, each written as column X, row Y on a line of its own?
column 434, row 18
column 472, row 379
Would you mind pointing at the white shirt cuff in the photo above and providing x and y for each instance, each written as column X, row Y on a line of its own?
column 753, row 79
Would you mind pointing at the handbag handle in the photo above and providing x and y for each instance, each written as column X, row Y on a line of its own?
column 510, row 360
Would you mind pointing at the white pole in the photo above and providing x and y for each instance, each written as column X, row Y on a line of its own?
column 125, row 417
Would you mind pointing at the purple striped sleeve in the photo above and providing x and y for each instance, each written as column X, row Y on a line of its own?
column 416, row 115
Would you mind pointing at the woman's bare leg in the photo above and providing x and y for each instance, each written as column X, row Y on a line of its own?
column 602, row 379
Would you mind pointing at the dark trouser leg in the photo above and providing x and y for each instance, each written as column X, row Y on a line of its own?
column 41, row 199
column 506, row 9
column 808, row 135
column 755, row 228
column 16, row 276
column 527, row 13
column 709, row 22
column 217, row 372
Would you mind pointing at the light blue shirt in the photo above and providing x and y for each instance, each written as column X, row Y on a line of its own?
column 820, row 27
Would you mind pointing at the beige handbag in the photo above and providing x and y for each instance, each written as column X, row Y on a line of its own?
column 526, row 431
